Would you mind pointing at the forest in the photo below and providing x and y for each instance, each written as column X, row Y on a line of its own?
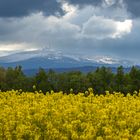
column 101, row 80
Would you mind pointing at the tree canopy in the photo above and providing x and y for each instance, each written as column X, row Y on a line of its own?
column 101, row 80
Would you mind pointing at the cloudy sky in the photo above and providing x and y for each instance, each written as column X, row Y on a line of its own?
column 78, row 28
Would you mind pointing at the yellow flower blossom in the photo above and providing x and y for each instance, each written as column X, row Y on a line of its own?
column 58, row 116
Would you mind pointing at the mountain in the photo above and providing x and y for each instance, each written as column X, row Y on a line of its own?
column 61, row 62
column 84, row 69
column 32, row 60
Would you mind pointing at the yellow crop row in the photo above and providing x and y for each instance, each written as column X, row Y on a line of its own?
column 57, row 116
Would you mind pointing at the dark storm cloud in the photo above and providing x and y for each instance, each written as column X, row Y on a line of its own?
column 85, row 2
column 133, row 6
column 17, row 8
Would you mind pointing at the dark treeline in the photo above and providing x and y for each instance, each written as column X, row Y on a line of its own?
column 101, row 80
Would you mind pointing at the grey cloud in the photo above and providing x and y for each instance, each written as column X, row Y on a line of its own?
column 85, row 2
column 98, row 27
column 124, row 48
column 17, row 8
column 37, row 30
column 133, row 6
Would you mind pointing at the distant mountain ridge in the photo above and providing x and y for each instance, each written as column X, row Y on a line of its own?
column 49, row 59
column 84, row 69
column 31, row 61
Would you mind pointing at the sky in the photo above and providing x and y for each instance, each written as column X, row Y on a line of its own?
column 79, row 28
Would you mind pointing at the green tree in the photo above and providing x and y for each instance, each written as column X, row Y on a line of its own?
column 134, row 79
column 41, row 80
column 2, row 78
column 120, row 80
column 53, row 80
column 101, row 79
